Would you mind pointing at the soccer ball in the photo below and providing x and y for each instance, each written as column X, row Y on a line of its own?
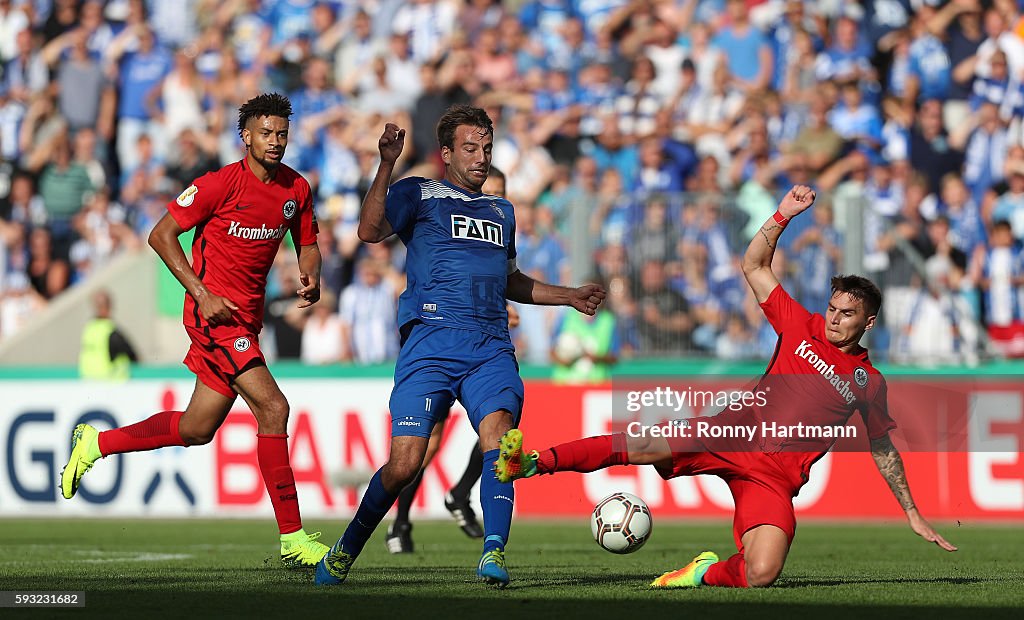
column 621, row 523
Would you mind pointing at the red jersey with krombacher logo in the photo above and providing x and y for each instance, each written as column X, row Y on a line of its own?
column 240, row 222
column 812, row 382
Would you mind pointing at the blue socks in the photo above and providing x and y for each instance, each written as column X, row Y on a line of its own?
column 375, row 504
column 496, row 499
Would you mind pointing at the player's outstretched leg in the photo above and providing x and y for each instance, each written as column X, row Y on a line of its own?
column 689, row 576
column 582, row 455
column 512, row 463
column 88, row 445
column 456, row 500
column 85, row 451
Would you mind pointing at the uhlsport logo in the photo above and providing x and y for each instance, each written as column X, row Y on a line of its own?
column 242, row 344
column 805, row 352
column 465, row 227
column 860, row 377
column 187, row 197
column 289, row 209
column 253, row 233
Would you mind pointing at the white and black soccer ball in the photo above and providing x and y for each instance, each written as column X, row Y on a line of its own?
column 621, row 523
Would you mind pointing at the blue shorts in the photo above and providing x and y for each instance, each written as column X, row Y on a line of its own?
column 439, row 364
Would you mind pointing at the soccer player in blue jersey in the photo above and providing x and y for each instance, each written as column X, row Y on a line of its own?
column 461, row 269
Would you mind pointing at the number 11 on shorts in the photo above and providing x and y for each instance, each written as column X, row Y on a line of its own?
column 428, row 404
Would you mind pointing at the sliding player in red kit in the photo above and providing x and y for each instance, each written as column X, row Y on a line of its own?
column 819, row 376
column 241, row 214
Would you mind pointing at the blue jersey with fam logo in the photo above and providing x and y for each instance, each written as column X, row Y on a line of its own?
column 461, row 249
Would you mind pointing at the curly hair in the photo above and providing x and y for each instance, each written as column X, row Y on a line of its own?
column 267, row 104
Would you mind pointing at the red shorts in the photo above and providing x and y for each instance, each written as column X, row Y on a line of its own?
column 761, row 488
column 219, row 354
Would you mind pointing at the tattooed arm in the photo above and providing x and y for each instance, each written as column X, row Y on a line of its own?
column 890, row 465
column 757, row 261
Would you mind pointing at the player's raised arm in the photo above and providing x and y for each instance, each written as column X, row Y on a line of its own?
column 525, row 290
column 757, row 262
column 890, row 465
column 164, row 240
column 373, row 226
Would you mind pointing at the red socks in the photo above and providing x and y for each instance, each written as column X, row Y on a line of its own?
column 157, row 431
column 731, row 573
column 584, row 455
column 272, row 453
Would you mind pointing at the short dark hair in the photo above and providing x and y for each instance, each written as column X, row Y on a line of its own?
column 267, row 104
column 860, row 288
column 461, row 114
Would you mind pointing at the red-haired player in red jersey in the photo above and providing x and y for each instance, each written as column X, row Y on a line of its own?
column 823, row 376
column 241, row 214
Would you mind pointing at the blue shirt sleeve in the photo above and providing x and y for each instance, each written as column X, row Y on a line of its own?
column 402, row 205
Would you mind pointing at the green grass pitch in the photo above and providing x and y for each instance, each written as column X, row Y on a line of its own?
column 229, row 568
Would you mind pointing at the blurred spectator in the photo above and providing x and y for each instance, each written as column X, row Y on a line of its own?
column 25, row 72
column 141, row 65
column 368, row 309
column 749, row 55
column 190, row 159
column 19, row 303
column 63, row 185
column 1007, row 201
column 736, row 342
column 987, row 141
column 106, row 353
column 13, row 21
column 930, row 71
column 177, row 101
column 930, row 150
column 282, row 316
column 48, row 274
column 585, row 347
column 848, row 58
column 103, row 232
column 958, row 24
column 817, row 252
column 653, row 239
column 323, row 334
column 664, row 317
column 429, row 24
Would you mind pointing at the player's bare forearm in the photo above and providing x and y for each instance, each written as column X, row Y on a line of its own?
column 757, row 261
column 525, row 290
column 890, row 465
column 310, row 263
column 373, row 226
column 164, row 241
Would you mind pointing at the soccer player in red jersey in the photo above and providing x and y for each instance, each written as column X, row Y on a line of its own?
column 825, row 376
column 241, row 214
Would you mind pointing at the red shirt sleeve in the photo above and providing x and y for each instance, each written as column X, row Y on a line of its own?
column 781, row 310
column 199, row 201
column 876, row 419
column 305, row 227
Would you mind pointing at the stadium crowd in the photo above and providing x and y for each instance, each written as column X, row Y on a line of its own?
column 654, row 136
